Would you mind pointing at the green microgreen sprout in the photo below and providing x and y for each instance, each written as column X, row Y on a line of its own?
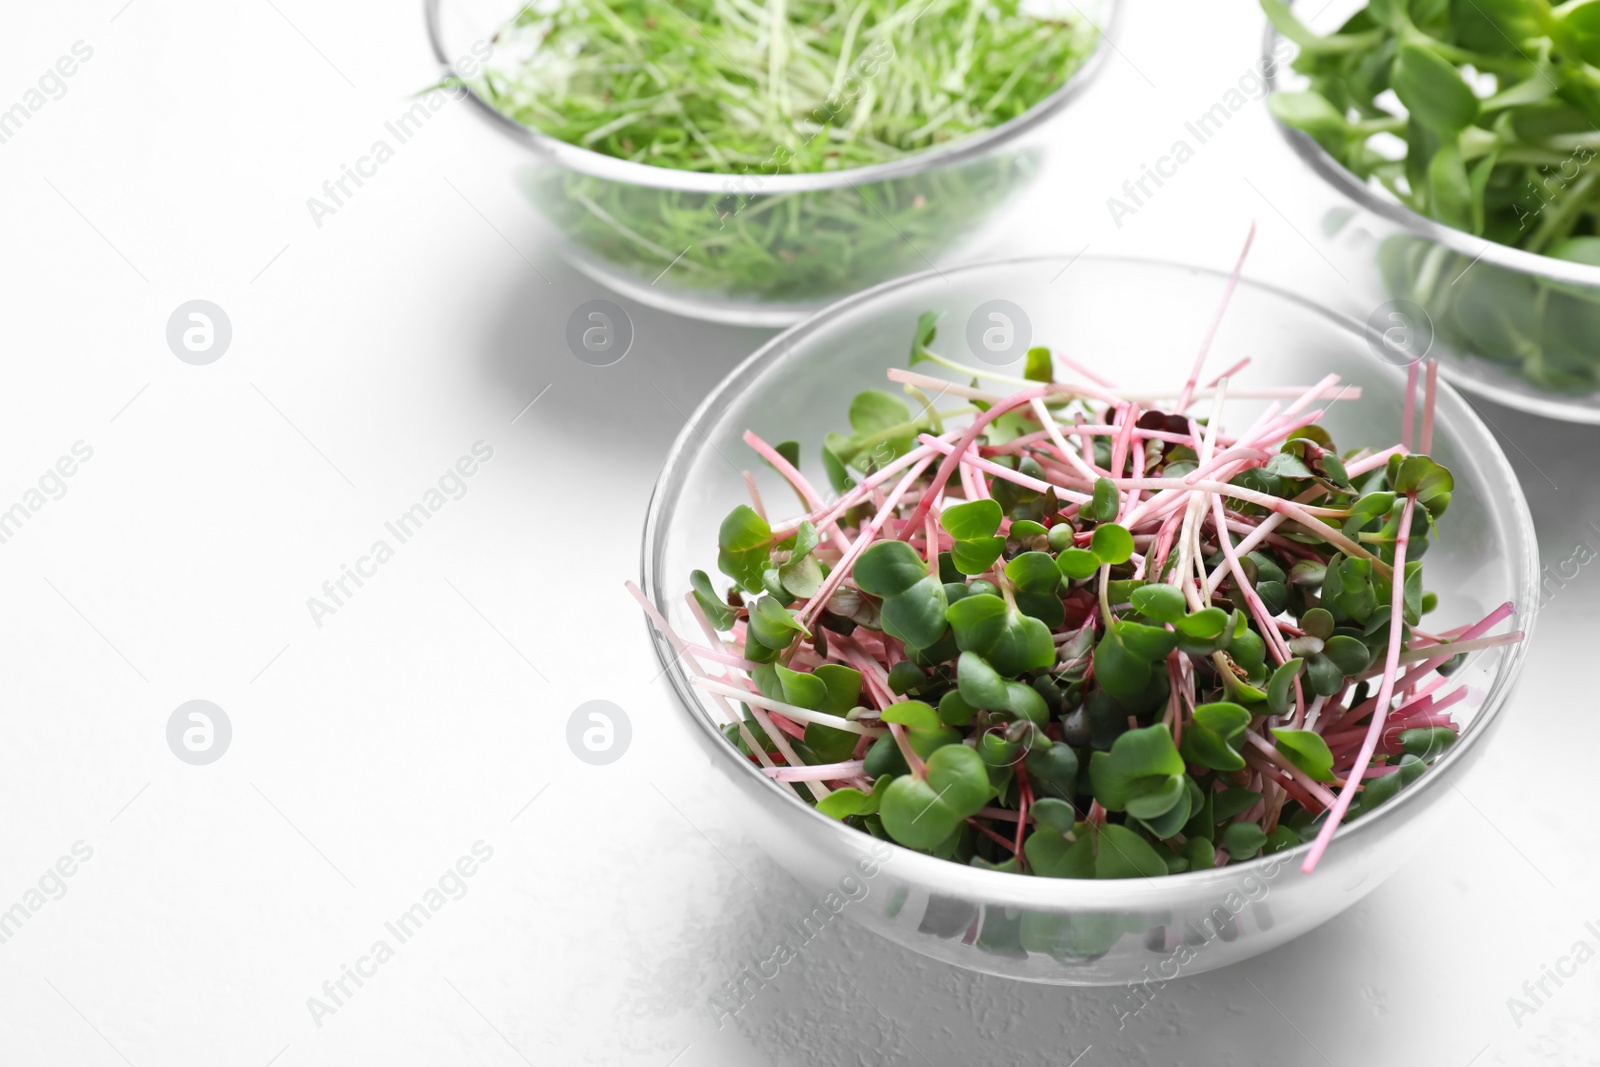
column 1483, row 115
column 793, row 86
column 781, row 87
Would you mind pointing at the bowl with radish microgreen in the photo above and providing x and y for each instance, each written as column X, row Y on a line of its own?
column 1458, row 140
column 1150, row 645
column 751, row 163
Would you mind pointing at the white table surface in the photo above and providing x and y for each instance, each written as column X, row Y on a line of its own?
column 370, row 752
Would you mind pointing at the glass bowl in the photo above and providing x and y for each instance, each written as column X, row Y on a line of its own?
column 760, row 249
column 1512, row 326
column 1140, row 322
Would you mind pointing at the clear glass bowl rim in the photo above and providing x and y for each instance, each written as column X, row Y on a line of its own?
column 610, row 168
column 1479, row 248
column 1057, row 893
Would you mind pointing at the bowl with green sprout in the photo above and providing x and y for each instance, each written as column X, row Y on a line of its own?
column 1083, row 654
column 1460, row 137
column 752, row 162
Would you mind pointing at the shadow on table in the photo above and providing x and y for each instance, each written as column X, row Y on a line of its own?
column 629, row 411
column 846, row 996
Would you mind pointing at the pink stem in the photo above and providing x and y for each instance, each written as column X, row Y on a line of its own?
column 682, row 648
column 817, row 771
column 1069, row 455
column 1216, row 321
column 794, row 730
column 998, row 813
column 726, row 658
column 1085, row 371
column 755, row 496
column 1283, row 763
column 913, row 760
column 856, row 495
column 1424, row 712
column 796, row 479
column 1371, row 463
column 1230, row 372
column 1343, row 741
column 979, row 486
column 1475, row 644
column 872, row 674
column 1129, row 414
column 948, row 466
column 1409, row 417
column 1385, row 692
column 1425, row 442
column 1280, row 648
column 1091, row 429
column 1360, row 711
column 837, row 576
column 990, row 467
column 1303, row 514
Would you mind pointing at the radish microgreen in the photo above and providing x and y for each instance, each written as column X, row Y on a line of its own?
column 1188, row 648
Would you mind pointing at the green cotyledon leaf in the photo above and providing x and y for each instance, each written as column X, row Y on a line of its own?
column 922, row 813
column 1108, row 851
column 1141, row 763
column 1012, row 643
column 1432, row 90
column 744, row 546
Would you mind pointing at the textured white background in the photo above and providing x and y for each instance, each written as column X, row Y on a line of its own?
column 370, row 753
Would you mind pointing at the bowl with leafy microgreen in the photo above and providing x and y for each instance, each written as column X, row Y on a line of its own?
column 1155, row 647
column 1459, row 138
column 752, row 163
